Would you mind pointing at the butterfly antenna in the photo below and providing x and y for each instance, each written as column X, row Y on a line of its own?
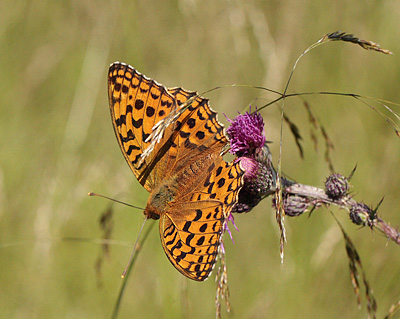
column 134, row 250
column 115, row 200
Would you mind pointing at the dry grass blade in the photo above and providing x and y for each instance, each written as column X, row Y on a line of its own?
column 348, row 37
column 314, row 124
column 328, row 147
column 106, row 225
column 125, row 280
column 355, row 269
column 382, row 103
column 222, row 285
column 311, row 117
column 361, row 98
column 296, row 133
column 394, row 308
column 280, row 218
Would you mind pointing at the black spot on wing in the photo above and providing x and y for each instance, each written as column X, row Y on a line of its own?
column 189, row 239
column 137, row 123
column 145, row 136
column 200, row 241
column 200, row 115
column 214, row 227
column 199, row 213
column 129, row 136
column 166, row 103
column 121, row 120
column 184, row 134
column 219, row 170
column 131, row 149
column 221, row 182
column 150, row 111
column 191, row 122
column 200, row 135
column 139, row 104
column 136, row 159
column 203, row 228
column 186, row 226
column 172, row 240
column 210, row 188
column 207, row 181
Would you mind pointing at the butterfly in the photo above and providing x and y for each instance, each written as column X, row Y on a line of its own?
column 173, row 143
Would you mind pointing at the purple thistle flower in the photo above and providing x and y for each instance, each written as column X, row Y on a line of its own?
column 247, row 141
column 246, row 134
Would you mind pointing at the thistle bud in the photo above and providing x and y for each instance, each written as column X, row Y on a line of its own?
column 336, row 186
column 360, row 214
column 294, row 205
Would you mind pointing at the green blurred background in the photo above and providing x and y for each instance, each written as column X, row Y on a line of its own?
column 57, row 144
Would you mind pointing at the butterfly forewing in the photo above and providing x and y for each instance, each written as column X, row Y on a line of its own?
column 136, row 104
column 195, row 134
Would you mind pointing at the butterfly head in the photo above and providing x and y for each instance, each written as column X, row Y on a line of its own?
column 160, row 198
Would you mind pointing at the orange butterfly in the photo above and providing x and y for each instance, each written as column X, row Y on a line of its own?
column 173, row 142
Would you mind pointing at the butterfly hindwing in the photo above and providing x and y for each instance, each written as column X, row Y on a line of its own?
column 192, row 245
column 192, row 228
